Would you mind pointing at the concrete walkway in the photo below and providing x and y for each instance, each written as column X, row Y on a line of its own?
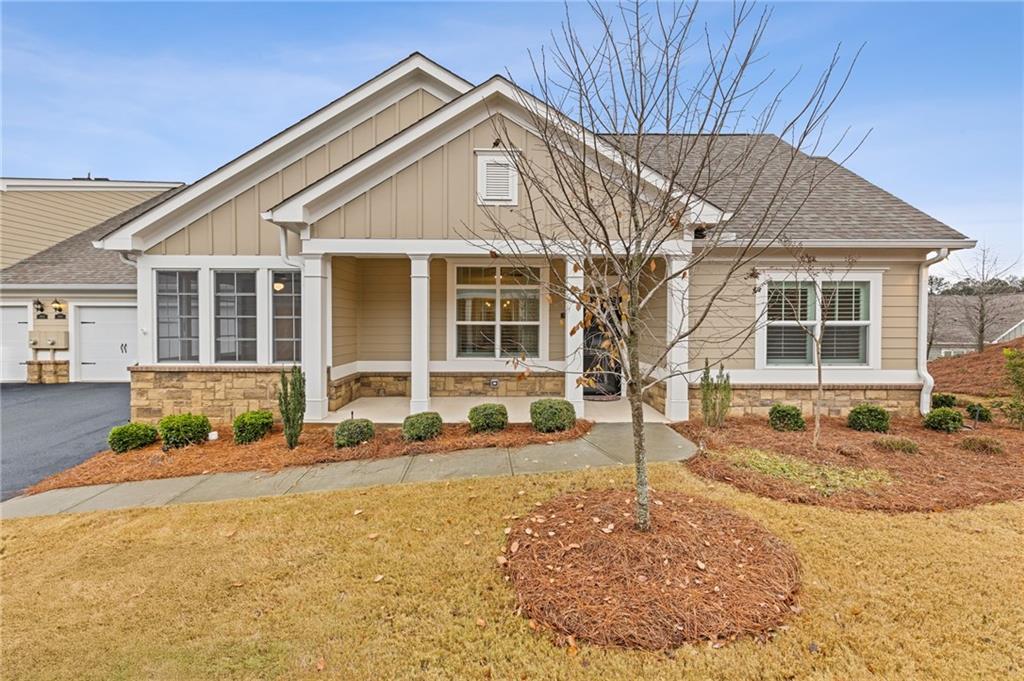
column 607, row 444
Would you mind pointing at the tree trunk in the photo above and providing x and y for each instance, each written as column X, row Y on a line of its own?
column 818, row 398
column 634, row 392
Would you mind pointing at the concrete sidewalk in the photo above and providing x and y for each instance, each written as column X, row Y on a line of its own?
column 607, row 444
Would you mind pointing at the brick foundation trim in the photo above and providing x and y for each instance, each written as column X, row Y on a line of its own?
column 47, row 371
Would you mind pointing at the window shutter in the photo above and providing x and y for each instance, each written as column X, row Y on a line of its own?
column 497, row 180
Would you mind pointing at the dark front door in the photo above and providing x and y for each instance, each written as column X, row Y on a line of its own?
column 599, row 366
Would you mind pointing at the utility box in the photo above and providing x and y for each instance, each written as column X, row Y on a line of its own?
column 48, row 340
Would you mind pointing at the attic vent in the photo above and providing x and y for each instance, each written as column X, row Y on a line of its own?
column 497, row 180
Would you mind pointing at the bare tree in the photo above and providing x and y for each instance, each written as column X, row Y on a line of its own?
column 656, row 89
column 985, row 275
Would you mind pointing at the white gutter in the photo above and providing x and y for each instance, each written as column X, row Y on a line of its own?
column 925, row 404
column 123, row 257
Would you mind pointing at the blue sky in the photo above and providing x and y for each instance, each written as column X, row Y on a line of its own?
column 171, row 91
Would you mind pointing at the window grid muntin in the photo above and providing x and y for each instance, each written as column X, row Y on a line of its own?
column 293, row 292
column 812, row 323
column 497, row 323
column 177, row 330
column 235, row 318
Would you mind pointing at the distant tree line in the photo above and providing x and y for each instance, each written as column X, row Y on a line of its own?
column 940, row 286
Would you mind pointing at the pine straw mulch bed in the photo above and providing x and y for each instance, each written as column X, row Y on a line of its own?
column 316, row 445
column 580, row 568
column 940, row 476
column 978, row 373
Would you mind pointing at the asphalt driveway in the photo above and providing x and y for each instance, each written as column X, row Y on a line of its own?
column 47, row 428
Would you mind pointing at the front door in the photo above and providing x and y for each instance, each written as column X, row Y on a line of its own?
column 599, row 366
column 106, row 343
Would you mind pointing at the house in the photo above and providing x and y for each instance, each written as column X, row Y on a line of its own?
column 58, row 291
column 953, row 322
column 341, row 244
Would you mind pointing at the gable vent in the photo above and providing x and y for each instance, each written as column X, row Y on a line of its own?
column 496, row 179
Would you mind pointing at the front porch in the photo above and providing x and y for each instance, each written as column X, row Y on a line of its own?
column 455, row 409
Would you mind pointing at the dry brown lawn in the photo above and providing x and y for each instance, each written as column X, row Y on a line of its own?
column 287, row 588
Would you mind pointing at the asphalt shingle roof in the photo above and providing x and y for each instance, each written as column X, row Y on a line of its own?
column 954, row 315
column 76, row 261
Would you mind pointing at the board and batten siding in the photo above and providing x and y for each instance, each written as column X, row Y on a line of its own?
column 235, row 227
column 32, row 221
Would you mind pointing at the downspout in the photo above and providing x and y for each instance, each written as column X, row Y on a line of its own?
column 925, row 404
column 283, row 235
column 123, row 257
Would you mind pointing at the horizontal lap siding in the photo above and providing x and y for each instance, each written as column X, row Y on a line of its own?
column 721, row 336
column 31, row 221
column 345, row 297
column 384, row 309
column 235, row 228
column 899, row 315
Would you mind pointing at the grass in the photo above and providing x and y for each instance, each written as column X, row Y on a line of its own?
column 278, row 587
column 822, row 478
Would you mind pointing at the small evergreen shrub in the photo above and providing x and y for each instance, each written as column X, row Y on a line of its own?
column 940, row 400
column 251, row 426
column 868, row 417
column 715, row 396
column 353, row 432
column 423, row 426
column 131, row 436
column 981, row 444
column 944, row 419
column 291, row 400
column 979, row 412
column 180, row 430
column 890, row 443
column 488, row 417
column 552, row 415
column 786, row 417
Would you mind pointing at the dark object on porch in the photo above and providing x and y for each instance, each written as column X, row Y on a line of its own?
column 552, row 415
column 423, row 426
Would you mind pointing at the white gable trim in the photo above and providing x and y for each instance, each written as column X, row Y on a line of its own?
column 496, row 96
column 285, row 148
column 28, row 184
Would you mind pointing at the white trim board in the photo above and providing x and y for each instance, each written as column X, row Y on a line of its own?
column 475, row 366
column 28, row 184
column 446, row 247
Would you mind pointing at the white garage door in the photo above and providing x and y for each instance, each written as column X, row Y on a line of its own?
column 106, row 343
column 14, row 350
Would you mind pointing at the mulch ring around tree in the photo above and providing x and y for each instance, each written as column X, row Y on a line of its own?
column 316, row 445
column 850, row 471
column 580, row 568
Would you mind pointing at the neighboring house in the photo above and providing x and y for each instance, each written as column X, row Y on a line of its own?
column 953, row 325
column 67, row 310
column 340, row 244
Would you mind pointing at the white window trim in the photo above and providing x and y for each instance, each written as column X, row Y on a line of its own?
column 874, row 349
column 496, row 363
column 262, row 283
column 482, row 158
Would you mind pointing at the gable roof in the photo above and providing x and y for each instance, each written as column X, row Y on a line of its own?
column 277, row 151
column 842, row 206
column 954, row 328
column 75, row 262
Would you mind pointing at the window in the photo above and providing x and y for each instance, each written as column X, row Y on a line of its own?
column 286, row 292
column 177, row 316
column 497, row 312
column 234, row 316
column 497, row 181
column 793, row 313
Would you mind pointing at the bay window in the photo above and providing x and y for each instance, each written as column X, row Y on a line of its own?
column 177, row 316
column 497, row 311
column 837, row 312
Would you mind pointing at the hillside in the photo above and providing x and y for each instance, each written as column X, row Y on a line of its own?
column 978, row 373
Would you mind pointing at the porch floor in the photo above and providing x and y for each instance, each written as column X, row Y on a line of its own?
column 456, row 409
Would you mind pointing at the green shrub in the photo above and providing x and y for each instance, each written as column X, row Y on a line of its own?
column 251, row 426
column 488, row 417
column 890, row 443
column 786, row 417
column 422, row 426
column 291, row 400
column 979, row 412
column 179, row 430
column 353, row 432
column 715, row 396
column 940, row 400
column 1013, row 410
column 551, row 415
column 131, row 436
column 868, row 417
column 981, row 444
column 945, row 419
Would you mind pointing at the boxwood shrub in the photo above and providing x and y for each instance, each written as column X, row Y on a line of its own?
column 251, row 426
column 868, row 417
column 131, row 436
column 488, row 417
column 552, row 415
column 786, row 417
column 979, row 412
column 423, row 426
column 943, row 400
column 179, row 430
column 945, row 419
column 353, row 432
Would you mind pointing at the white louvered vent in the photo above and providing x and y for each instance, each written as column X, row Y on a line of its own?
column 496, row 179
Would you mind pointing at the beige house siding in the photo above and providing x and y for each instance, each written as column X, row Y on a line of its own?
column 654, row 317
column 384, row 310
column 433, row 198
column 235, row 227
column 899, row 316
column 345, row 286
column 438, row 309
column 31, row 221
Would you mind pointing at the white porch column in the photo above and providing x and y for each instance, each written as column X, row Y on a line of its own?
column 677, row 399
column 316, row 301
column 419, row 335
column 573, row 343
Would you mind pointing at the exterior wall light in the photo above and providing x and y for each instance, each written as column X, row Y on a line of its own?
column 58, row 309
column 40, row 309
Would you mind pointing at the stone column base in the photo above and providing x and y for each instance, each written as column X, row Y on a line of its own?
column 48, row 371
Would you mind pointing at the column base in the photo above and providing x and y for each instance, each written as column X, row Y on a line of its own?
column 416, row 406
column 677, row 410
column 316, row 409
column 580, row 406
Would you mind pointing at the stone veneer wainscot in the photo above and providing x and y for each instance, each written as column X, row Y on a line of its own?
column 756, row 400
column 221, row 392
